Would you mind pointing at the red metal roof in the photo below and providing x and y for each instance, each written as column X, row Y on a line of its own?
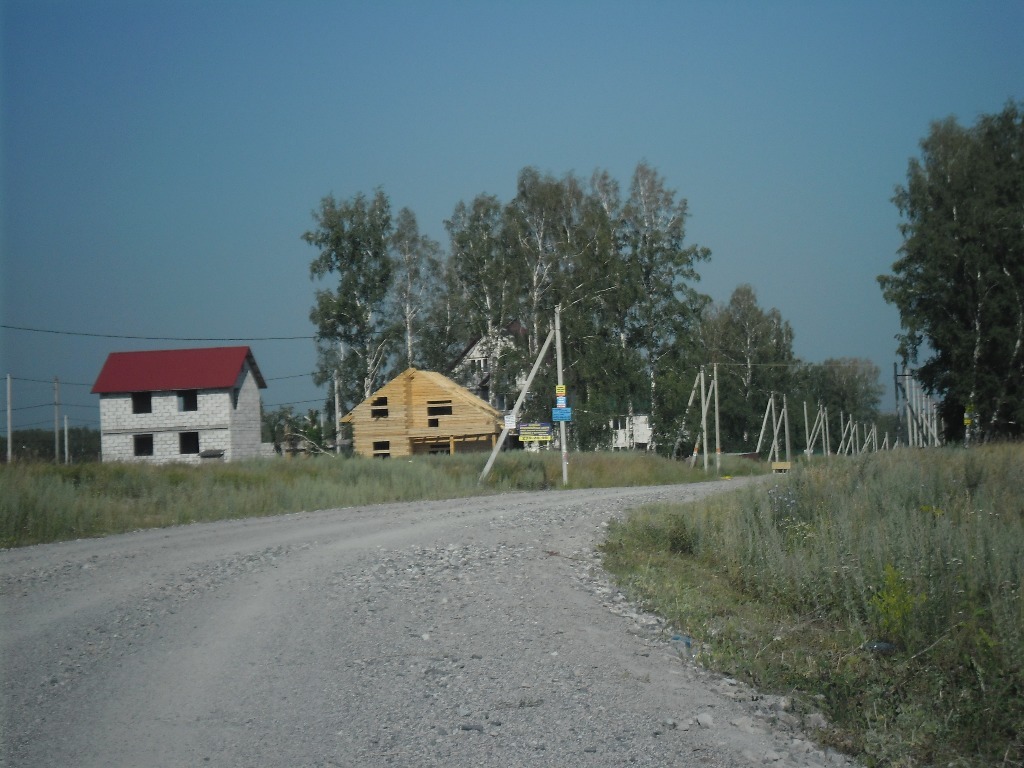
column 167, row 369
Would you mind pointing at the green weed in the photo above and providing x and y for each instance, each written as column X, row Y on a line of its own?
column 890, row 584
column 42, row 502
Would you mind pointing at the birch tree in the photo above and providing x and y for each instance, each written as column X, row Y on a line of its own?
column 660, row 270
column 754, row 350
column 536, row 221
column 354, row 327
column 959, row 280
column 416, row 261
column 486, row 275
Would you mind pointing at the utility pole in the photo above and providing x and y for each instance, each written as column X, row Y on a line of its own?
column 56, row 421
column 718, row 432
column 515, row 408
column 67, row 448
column 561, row 424
column 10, row 434
column 337, row 415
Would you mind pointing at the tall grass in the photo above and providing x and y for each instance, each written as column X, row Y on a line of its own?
column 890, row 584
column 43, row 502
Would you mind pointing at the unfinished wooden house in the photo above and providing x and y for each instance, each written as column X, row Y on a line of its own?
column 421, row 412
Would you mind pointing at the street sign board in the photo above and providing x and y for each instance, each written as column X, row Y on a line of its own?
column 560, row 401
column 560, row 390
column 561, row 414
column 538, row 432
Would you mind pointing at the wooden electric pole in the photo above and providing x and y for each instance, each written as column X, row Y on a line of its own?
column 561, row 424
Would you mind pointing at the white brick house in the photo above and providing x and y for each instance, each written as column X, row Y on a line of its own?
column 180, row 405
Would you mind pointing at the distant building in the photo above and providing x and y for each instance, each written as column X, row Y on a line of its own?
column 474, row 367
column 421, row 412
column 631, row 433
column 180, row 405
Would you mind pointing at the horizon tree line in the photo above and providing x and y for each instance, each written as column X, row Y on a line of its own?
column 635, row 326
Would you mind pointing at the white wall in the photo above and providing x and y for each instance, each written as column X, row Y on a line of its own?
column 221, row 426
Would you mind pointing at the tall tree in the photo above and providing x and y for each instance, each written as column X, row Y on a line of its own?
column 354, row 327
column 754, row 350
column 447, row 332
column 660, row 270
column 488, row 278
column 959, row 281
column 848, row 384
column 416, row 261
column 536, row 221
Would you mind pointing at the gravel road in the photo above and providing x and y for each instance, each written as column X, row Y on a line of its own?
column 476, row 632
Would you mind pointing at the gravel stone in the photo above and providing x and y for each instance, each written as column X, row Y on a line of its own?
column 478, row 632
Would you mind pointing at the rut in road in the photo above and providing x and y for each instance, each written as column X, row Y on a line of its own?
column 476, row 632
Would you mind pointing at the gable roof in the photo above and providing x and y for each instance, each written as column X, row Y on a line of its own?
column 514, row 328
column 442, row 382
column 168, row 369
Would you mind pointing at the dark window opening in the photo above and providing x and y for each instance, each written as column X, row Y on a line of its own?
column 143, row 445
column 379, row 408
column 439, row 408
column 432, row 422
column 188, row 400
column 188, row 442
column 142, row 402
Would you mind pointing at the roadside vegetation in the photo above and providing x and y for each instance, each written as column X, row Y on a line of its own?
column 44, row 502
column 882, row 590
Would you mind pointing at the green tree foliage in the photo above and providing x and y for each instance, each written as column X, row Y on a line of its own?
column 38, row 445
column 355, row 330
column 487, row 277
column 416, row 259
column 959, row 281
column 659, row 272
column 851, row 385
column 620, row 269
column 753, row 348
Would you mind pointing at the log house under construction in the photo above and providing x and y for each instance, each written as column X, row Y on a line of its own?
column 420, row 412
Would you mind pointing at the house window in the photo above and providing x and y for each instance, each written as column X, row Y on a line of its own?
column 382, row 449
column 142, row 402
column 432, row 423
column 143, row 445
column 379, row 408
column 188, row 442
column 439, row 407
column 188, row 400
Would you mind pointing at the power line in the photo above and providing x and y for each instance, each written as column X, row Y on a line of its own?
column 50, row 381
column 153, row 338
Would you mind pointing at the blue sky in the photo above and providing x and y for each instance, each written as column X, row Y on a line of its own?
column 160, row 160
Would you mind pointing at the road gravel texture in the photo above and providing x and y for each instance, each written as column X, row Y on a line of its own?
column 473, row 632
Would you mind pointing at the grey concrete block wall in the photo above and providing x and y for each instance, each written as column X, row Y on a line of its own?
column 221, row 425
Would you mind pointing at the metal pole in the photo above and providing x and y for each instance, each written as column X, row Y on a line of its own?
column 67, row 453
column 561, row 424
